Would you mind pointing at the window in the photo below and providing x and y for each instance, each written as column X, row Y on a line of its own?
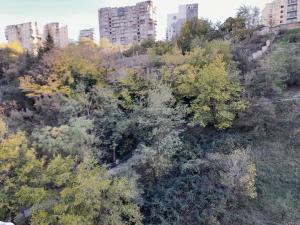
column 292, row 20
column 291, row 14
column 292, row 8
column 121, row 12
column 292, row 2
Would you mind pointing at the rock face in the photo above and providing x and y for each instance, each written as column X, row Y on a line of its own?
column 264, row 49
column 4, row 223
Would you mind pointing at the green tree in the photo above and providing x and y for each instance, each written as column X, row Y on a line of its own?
column 60, row 191
column 271, row 76
column 48, row 45
column 207, row 83
column 202, row 189
column 64, row 70
column 90, row 197
column 192, row 30
column 251, row 16
column 235, row 29
column 217, row 98
column 73, row 139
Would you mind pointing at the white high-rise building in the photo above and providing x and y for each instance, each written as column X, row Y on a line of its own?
column 26, row 33
column 128, row 25
column 280, row 12
column 177, row 20
column 87, row 34
column 59, row 34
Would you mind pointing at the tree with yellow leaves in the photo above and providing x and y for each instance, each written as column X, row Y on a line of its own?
column 15, row 47
column 62, row 71
column 217, row 99
column 59, row 191
column 206, row 81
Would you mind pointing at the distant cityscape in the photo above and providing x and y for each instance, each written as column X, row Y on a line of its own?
column 133, row 24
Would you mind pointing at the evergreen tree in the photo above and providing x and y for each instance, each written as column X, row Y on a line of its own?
column 48, row 45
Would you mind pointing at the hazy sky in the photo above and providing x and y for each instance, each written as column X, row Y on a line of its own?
column 80, row 14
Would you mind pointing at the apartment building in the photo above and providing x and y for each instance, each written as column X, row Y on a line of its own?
column 128, row 25
column 59, row 34
column 175, row 21
column 281, row 12
column 87, row 34
column 291, row 11
column 27, row 34
column 273, row 13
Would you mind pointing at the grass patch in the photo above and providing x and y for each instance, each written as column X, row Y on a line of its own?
column 291, row 36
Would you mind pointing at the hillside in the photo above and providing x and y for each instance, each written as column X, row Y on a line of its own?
column 191, row 132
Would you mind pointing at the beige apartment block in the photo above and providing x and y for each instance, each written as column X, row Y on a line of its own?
column 59, row 34
column 281, row 12
column 128, row 25
column 273, row 13
column 27, row 34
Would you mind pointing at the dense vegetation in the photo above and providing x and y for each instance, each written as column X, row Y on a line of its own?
column 188, row 132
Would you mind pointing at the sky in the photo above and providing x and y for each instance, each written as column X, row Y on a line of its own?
column 82, row 14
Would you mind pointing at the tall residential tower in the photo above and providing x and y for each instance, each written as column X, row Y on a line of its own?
column 26, row 33
column 87, row 34
column 128, row 25
column 177, row 20
column 59, row 34
column 281, row 12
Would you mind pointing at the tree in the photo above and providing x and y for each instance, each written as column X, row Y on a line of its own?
column 87, row 42
column 152, row 118
column 48, row 45
column 9, row 54
column 218, row 99
column 73, row 139
column 132, row 89
column 52, row 86
column 207, row 83
column 91, row 197
column 202, row 189
column 15, row 47
column 60, row 190
column 251, row 16
column 64, row 70
column 192, row 30
column 270, row 77
column 235, row 28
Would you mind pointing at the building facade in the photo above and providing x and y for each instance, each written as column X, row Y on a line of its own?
column 281, row 12
column 128, row 25
column 291, row 11
column 87, row 34
column 27, row 34
column 175, row 21
column 59, row 34
column 273, row 13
